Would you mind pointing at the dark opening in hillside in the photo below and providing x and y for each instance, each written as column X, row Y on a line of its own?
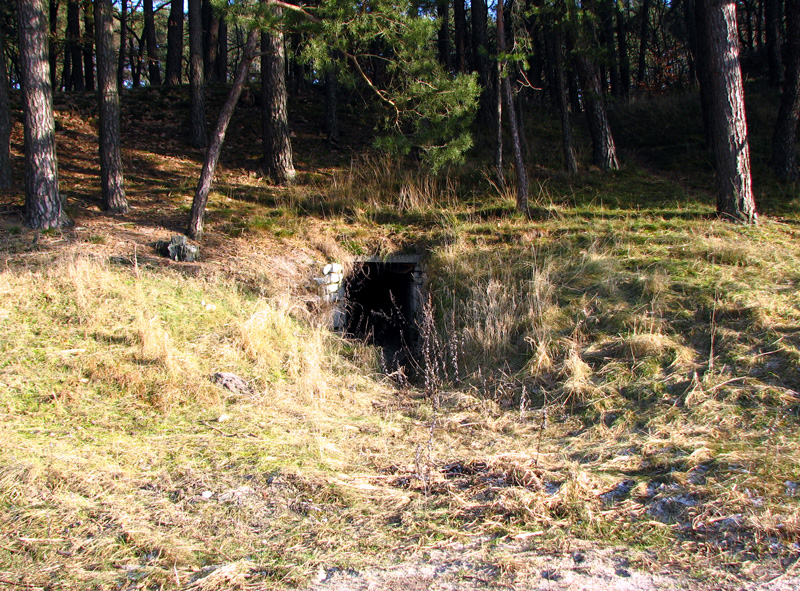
column 382, row 299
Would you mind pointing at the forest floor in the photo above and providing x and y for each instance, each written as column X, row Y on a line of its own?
column 614, row 405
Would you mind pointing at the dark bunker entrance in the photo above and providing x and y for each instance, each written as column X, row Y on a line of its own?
column 382, row 299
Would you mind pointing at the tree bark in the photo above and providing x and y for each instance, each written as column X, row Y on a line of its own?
column 174, row 43
column 88, row 44
column 42, row 200
column 153, row 65
column 519, row 162
column 111, row 176
column 735, row 200
column 5, row 119
column 210, row 42
column 123, row 43
column 195, row 229
column 460, row 26
column 604, row 151
column 554, row 40
column 73, row 72
column 278, row 164
column 772, row 26
column 222, row 52
column 197, row 133
column 784, row 138
column 480, row 52
column 53, row 53
column 606, row 9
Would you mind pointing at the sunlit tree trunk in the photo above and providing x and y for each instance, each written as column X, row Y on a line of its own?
column 278, row 163
column 604, row 150
column 735, row 200
column 111, row 176
column 42, row 200
column 195, row 229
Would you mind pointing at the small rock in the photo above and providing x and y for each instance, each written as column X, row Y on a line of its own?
column 232, row 382
column 578, row 557
column 622, row 572
column 207, row 494
column 223, row 418
column 791, row 488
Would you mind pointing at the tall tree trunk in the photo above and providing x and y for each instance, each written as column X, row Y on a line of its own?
column 480, row 52
column 88, row 44
column 278, row 164
column 174, row 43
column 784, row 138
column 5, row 118
column 702, row 57
column 622, row 43
column 136, row 60
column 210, row 42
column 123, row 43
column 197, row 109
column 554, row 41
column 73, row 81
column 195, row 228
column 111, row 177
column 53, row 50
column 772, row 26
column 222, row 52
column 42, row 200
column 519, row 162
column 604, row 151
column 498, row 117
column 153, row 64
column 644, row 39
column 443, row 12
column 460, row 26
column 735, row 200
column 606, row 9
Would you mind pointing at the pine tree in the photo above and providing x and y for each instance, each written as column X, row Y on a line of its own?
column 42, row 200
column 111, row 176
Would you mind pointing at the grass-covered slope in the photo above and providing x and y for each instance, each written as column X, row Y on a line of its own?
column 621, row 370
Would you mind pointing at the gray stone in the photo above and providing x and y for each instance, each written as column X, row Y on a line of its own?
column 232, row 382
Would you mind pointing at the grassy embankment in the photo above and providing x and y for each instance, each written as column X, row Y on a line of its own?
column 624, row 334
